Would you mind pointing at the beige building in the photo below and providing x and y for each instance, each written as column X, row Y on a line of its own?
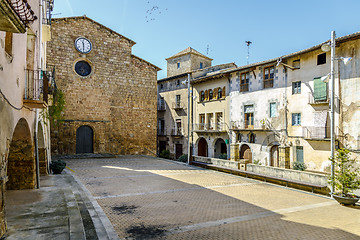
column 211, row 111
column 279, row 109
column 24, row 89
column 173, row 100
column 110, row 93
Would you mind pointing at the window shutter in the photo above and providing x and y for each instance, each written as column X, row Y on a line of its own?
column 206, row 95
column 215, row 93
column 223, row 92
column 320, row 90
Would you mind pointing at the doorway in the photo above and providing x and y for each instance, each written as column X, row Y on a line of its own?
column 84, row 140
column 178, row 150
column 202, row 148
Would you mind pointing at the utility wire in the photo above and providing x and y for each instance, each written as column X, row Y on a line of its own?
column 16, row 108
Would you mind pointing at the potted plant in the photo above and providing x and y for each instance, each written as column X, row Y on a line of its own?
column 57, row 166
column 346, row 178
column 263, row 123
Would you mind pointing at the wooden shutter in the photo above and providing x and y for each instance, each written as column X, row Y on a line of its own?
column 215, row 93
column 206, row 95
column 223, row 92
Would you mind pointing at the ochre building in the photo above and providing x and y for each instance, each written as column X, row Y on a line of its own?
column 110, row 93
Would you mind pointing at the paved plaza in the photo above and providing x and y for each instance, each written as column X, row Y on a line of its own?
column 151, row 198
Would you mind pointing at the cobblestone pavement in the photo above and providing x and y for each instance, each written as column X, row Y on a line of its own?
column 151, row 198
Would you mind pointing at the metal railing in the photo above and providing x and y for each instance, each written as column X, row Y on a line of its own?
column 210, row 127
column 178, row 105
column 247, row 124
column 161, row 106
column 36, row 85
column 313, row 132
column 177, row 132
column 311, row 99
column 161, row 132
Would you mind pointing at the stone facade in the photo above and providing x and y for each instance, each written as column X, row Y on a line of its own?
column 117, row 100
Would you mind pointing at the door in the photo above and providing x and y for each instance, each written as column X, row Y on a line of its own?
column 300, row 154
column 202, row 148
column 274, row 156
column 84, row 140
column 178, row 150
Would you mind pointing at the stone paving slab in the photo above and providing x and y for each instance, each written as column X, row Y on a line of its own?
column 150, row 198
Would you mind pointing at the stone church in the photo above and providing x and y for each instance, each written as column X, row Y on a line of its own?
column 110, row 94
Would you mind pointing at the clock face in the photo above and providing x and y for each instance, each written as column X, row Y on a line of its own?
column 83, row 45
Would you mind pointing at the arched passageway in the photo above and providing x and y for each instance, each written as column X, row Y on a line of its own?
column 274, row 156
column 202, row 148
column 21, row 168
column 245, row 153
column 84, row 139
column 43, row 162
column 219, row 148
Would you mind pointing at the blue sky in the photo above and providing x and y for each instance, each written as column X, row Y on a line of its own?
column 162, row 28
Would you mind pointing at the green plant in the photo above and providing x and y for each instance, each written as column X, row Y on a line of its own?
column 56, row 110
column 346, row 177
column 183, row 158
column 165, row 154
column 223, row 156
column 257, row 161
column 57, row 166
column 299, row 166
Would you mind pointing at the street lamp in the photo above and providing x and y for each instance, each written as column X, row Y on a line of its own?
column 331, row 47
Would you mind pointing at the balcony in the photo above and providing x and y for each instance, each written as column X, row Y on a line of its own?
column 178, row 105
column 15, row 15
column 316, row 133
column 177, row 132
column 161, row 106
column 249, row 125
column 161, row 132
column 317, row 101
column 38, row 84
column 210, row 127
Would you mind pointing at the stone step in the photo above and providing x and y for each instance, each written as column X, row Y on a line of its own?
column 96, row 223
column 76, row 226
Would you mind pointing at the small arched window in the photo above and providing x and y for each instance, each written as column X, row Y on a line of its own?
column 202, row 96
column 210, row 94
column 223, row 92
column 252, row 138
column 215, row 93
column 219, row 92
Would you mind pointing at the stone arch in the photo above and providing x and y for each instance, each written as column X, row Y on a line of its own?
column 202, row 147
column 245, row 153
column 219, row 146
column 84, row 139
column 21, row 166
column 42, row 151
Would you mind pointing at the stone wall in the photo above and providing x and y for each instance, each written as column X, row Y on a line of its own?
column 117, row 100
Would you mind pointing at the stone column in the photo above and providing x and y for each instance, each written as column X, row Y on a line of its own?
column 234, row 152
column 284, row 157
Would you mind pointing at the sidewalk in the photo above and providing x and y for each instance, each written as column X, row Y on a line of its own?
column 60, row 209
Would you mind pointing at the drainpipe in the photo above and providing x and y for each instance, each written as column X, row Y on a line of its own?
column 37, row 150
column 285, row 99
column 189, row 110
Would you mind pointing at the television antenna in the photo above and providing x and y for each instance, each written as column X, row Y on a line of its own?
column 248, row 49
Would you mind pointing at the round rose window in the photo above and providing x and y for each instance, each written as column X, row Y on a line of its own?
column 83, row 68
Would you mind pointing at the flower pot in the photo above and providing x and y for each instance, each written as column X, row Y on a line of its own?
column 346, row 200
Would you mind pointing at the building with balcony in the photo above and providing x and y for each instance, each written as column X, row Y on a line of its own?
column 173, row 100
column 25, row 85
column 211, row 111
column 110, row 93
column 279, row 108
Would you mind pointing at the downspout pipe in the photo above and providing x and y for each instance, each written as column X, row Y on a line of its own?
column 189, row 112
column 37, row 150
